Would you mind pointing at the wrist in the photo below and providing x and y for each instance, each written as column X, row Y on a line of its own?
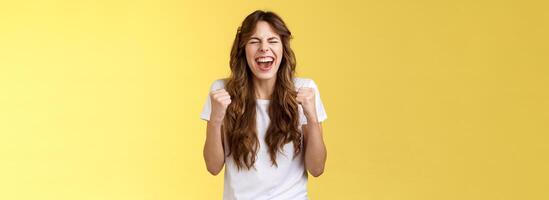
column 217, row 116
column 216, row 120
column 311, row 117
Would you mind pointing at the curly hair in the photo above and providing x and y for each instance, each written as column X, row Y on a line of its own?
column 239, row 125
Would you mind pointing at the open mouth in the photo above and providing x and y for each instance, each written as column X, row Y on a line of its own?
column 264, row 63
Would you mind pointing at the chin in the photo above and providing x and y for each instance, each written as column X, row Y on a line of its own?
column 265, row 76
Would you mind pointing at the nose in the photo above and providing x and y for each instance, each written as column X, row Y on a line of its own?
column 264, row 47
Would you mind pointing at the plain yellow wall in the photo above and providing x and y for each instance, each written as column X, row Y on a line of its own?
column 427, row 100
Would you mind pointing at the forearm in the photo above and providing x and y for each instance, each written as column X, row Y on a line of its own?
column 214, row 154
column 315, row 149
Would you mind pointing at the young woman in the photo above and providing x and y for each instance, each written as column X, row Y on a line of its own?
column 264, row 124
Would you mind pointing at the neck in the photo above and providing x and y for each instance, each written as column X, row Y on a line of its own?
column 264, row 88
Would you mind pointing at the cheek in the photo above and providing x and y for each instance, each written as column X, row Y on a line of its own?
column 279, row 52
column 249, row 54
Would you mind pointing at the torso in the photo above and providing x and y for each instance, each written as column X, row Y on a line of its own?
column 265, row 181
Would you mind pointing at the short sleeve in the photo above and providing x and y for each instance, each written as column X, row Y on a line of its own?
column 207, row 108
column 320, row 111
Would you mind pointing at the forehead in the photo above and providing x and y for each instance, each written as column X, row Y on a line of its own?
column 264, row 30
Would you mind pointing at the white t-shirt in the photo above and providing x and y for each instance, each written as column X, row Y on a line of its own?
column 289, row 179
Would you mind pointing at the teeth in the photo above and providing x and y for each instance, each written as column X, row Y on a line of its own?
column 265, row 59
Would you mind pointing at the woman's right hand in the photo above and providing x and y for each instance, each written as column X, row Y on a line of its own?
column 220, row 100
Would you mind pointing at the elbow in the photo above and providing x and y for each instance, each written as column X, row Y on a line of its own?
column 213, row 166
column 315, row 167
column 316, row 172
column 214, row 170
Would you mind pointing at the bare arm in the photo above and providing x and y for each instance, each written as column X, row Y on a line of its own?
column 214, row 155
column 315, row 149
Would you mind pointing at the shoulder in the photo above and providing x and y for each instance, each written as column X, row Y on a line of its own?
column 218, row 84
column 298, row 82
column 304, row 82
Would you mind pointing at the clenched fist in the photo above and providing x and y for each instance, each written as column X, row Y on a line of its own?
column 306, row 97
column 220, row 100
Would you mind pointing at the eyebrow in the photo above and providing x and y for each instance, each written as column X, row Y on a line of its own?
column 271, row 38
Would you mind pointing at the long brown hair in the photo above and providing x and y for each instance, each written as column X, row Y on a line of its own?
column 239, row 124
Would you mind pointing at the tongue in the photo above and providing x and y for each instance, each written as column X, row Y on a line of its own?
column 264, row 64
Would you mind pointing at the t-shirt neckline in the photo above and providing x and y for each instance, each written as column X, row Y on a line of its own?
column 263, row 101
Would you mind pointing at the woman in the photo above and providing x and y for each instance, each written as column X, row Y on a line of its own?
column 264, row 124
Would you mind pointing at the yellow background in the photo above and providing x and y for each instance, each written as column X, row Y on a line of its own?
column 426, row 99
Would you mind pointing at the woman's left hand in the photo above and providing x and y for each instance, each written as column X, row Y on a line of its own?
column 306, row 97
